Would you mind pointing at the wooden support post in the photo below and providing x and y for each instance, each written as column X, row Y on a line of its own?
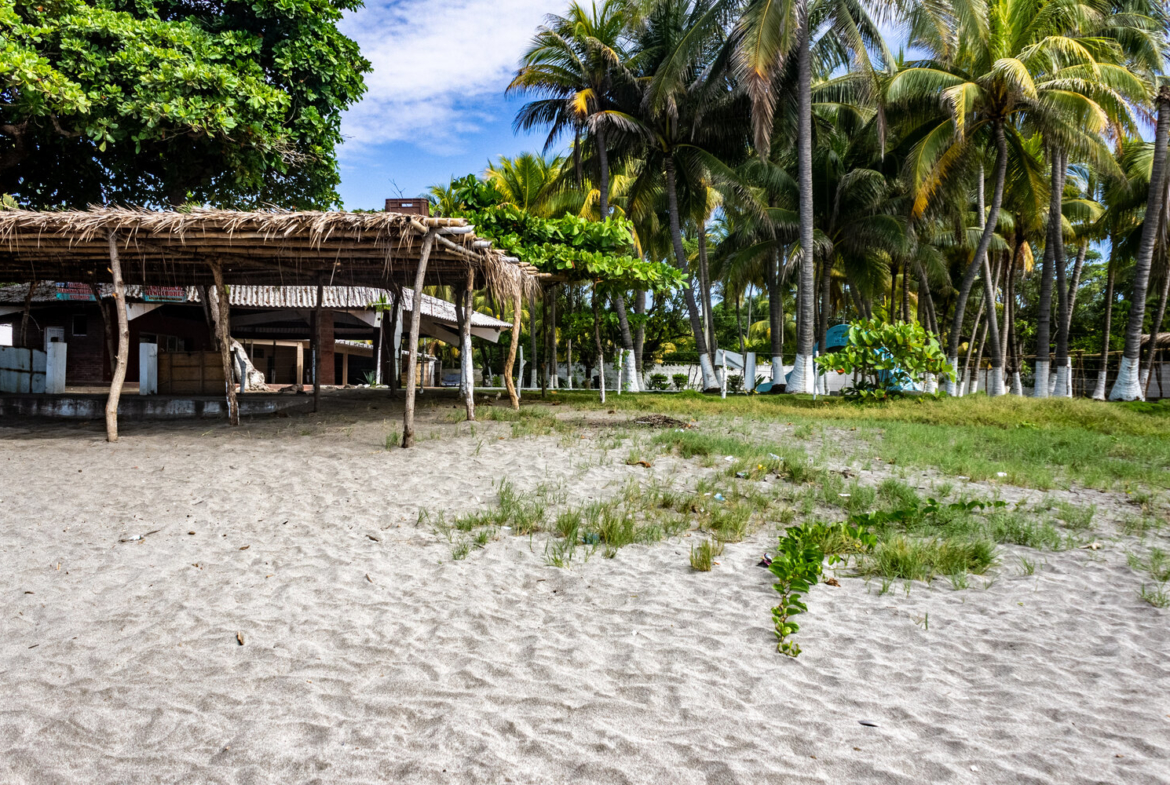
column 465, row 356
column 412, row 349
column 344, row 366
column 123, row 342
column 395, row 340
column 109, row 330
column 28, row 298
column 224, row 337
column 517, row 316
column 300, row 380
column 317, row 348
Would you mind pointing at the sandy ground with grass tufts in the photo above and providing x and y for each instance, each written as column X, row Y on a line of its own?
column 370, row 655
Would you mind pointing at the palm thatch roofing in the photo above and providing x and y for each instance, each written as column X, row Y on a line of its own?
column 273, row 247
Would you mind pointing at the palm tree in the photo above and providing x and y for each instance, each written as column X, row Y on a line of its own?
column 1000, row 71
column 1128, row 384
column 767, row 34
column 528, row 181
column 576, row 62
column 684, row 125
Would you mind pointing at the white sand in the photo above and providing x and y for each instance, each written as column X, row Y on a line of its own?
column 123, row 665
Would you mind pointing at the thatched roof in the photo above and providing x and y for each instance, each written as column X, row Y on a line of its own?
column 275, row 248
column 1163, row 340
column 266, row 297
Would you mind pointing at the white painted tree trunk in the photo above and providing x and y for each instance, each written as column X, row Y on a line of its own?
column 1063, row 388
column 777, row 370
column 802, row 375
column 1040, row 385
column 632, row 372
column 1017, row 384
column 950, row 385
column 930, row 384
column 710, row 378
column 995, row 383
column 1128, row 385
column 1099, row 389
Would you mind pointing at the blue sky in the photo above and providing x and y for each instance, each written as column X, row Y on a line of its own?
column 435, row 105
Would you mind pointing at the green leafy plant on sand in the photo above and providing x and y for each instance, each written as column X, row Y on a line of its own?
column 886, row 358
column 680, row 381
column 798, row 563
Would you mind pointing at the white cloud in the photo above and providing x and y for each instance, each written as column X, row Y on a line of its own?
column 437, row 64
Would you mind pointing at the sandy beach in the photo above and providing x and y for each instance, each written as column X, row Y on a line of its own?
column 369, row 654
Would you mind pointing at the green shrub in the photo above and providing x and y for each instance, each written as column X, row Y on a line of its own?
column 658, row 381
column 681, row 380
column 886, row 357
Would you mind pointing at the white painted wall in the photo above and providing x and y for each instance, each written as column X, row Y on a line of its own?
column 148, row 369
column 5, row 334
column 55, row 367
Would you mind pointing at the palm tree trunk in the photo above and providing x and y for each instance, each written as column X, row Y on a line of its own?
column 980, row 260
column 1127, row 387
column 802, row 371
column 705, row 292
column 739, row 324
column 966, row 380
column 1155, row 328
column 619, row 305
column 532, row 337
column 710, row 380
column 1044, row 315
column 1103, row 371
column 775, row 319
column 640, row 330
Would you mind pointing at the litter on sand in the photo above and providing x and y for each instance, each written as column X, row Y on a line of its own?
column 1001, row 474
column 741, row 475
column 719, row 497
column 138, row 537
column 729, row 458
column 766, row 561
column 774, row 456
column 868, row 724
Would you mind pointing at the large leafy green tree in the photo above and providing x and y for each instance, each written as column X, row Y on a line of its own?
column 164, row 101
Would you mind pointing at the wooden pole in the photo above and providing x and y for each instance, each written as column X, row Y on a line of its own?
column 123, row 342
column 109, row 330
column 544, row 331
column 415, row 324
column 28, row 298
column 317, row 348
column 224, row 336
column 395, row 352
column 517, row 315
column 465, row 356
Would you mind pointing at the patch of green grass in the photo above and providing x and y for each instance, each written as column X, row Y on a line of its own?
column 1018, row 529
column 1076, row 517
column 897, row 495
column 1139, row 525
column 1036, row 442
column 703, row 557
column 914, row 559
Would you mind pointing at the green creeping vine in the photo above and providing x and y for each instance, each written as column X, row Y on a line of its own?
column 799, row 562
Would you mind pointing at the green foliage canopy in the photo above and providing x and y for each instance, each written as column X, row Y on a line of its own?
column 887, row 357
column 164, row 101
column 572, row 246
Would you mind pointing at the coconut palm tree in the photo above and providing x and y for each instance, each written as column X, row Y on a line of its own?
column 685, row 125
column 1001, row 71
column 767, row 35
column 529, row 181
column 1128, row 384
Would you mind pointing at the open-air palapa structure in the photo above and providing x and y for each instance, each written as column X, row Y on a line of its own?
column 218, row 248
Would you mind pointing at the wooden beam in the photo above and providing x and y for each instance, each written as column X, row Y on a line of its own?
column 123, row 341
column 224, row 335
column 465, row 356
column 317, row 348
column 415, row 321
column 517, row 315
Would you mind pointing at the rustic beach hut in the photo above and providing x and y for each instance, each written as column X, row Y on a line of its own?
column 218, row 248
